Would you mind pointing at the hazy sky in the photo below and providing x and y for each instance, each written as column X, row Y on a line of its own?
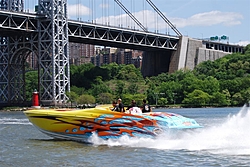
column 193, row 18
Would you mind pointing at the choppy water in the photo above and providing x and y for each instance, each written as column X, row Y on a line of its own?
column 224, row 141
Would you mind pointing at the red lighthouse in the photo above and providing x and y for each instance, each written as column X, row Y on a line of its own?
column 35, row 99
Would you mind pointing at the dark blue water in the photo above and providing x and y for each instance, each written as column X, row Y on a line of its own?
column 224, row 141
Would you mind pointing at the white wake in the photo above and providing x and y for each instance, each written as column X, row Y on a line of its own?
column 230, row 137
column 14, row 121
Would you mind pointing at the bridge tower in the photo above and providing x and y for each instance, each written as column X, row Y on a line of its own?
column 13, row 52
column 54, row 75
column 49, row 43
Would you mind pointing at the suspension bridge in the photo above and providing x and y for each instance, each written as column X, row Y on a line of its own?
column 45, row 34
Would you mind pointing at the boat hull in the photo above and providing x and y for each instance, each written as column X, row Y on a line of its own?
column 80, row 125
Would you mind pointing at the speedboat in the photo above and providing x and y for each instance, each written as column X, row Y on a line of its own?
column 81, row 124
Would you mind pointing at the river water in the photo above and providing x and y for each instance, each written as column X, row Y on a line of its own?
column 224, row 141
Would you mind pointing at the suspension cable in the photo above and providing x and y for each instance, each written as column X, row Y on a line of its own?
column 131, row 15
column 164, row 17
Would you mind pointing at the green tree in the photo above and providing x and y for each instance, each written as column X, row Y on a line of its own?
column 129, row 73
column 162, row 101
column 151, row 93
column 224, row 80
column 246, row 95
column 99, row 87
column 163, row 77
column 227, row 95
column 72, row 97
column 247, row 49
column 133, row 88
column 31, row 83
column 189, row 83
column 80, row 75
column 120, row 90
column 127, row 98
column 112, row 69
column 237, row 99
column 78, row 90
column 197, row 98
column 233, row 86
column 171, row 91
column 179, row 75
column 138, row 98
column 219, row 99
column 105, row 98
column 86, row 99
column 210, row 85
column 207, row 67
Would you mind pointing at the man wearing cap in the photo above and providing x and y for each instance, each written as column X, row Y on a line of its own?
column 120, row 105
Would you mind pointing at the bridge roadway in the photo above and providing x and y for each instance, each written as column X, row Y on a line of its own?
column 14, row 23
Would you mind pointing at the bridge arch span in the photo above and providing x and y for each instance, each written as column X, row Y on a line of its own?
column 20, row 54
column 16, row 77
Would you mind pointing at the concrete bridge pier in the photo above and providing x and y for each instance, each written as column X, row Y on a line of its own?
column 155, row 62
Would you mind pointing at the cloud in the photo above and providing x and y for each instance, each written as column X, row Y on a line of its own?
column 209, row 19
column 242, row 43
column 77, row 10
column 148, row 19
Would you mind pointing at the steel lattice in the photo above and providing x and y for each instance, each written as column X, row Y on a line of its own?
column 47, row 34
column 53, row 52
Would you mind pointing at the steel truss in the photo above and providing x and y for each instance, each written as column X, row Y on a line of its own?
column 19, row 49
column 93, row 33
column 98, row 34
column 45, row 34
column 52, row 48
column 16, row 21
column 14, row 49
column 53, row 52
column 3, row 69
column 12, row 5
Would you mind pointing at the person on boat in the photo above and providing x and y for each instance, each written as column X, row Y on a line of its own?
column 120, row 106
column 145, row 107
column 133, row 104
column 133, row 109
column 115, row 106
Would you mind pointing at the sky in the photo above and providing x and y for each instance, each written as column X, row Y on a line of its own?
column 200, row 19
